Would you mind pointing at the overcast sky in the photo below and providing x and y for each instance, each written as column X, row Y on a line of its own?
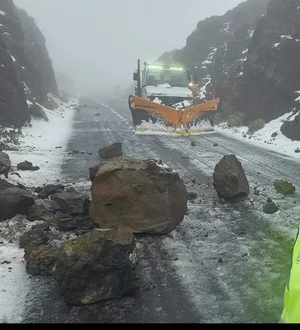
column 97, row 42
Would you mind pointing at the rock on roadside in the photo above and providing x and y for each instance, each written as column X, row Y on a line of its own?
column 5, row 164
column 141, row 194
column 97, row 266
column 111, row 151
column 13, row 200
column 27, row 166
column 48, row 190
column 229, row 178
column 70, row 202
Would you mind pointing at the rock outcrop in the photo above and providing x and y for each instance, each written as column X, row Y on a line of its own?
column 97, row 266
column 140, row 194
column 25, row 69
column 250, row 55
column 35, row 49
column 229, row 178
column 13, row 107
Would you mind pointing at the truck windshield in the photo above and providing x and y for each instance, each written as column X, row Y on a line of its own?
column 175, row 78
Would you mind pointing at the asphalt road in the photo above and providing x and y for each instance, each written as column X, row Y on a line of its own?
column 224, row 263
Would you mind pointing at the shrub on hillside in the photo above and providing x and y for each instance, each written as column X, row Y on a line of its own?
column 256, row 125
column 218, row 118
column 235, row 119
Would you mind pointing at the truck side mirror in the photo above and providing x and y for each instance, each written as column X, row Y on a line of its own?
column 135, row 76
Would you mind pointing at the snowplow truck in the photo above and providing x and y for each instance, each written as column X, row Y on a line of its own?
column 163, row 101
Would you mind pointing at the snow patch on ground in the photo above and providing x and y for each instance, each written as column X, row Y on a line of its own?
column 263, row 137
column 38, row 145
column 44, row 145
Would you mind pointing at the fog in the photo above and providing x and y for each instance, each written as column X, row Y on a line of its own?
column 97, row 42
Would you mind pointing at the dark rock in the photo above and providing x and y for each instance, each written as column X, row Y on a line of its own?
column 274, row 134
column 13, row 200
column 215, row 144
column 256, row 192
column 21, row 186
column 97, row 266
column 140, row 194
column 297, row 150
column 229, row 178
column 93, row 171
column 38, row 212
column 79, row 224
column 270, row 207
column 27, row 166
column 193, row 144
column 48, row 190
column 291, row 129
column 5, row 164
column 37, row 235
column 111, row 151
column 70, row 202
column 192, row 195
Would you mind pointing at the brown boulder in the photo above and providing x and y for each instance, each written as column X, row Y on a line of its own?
column 229, row 178
column 97, row 266
column 141, row 194
column 41, row 259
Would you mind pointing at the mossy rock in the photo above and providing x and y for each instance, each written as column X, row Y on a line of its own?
column 284, row 187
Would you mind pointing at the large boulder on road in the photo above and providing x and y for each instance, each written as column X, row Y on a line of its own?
column 97, row 266
column 144, row 195
column 5, row 164
column 111, row 151
column 13, row 200
column 229, row 178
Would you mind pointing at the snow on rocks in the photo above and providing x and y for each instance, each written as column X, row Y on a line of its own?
column 44, row 144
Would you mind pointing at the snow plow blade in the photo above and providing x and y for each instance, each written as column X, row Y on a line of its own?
column 169, row 120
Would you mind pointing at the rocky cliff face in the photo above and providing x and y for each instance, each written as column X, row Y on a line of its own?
column 25, row 69
column 13, row 107
column 36, row 50
column 272, row 69
column 251, row 55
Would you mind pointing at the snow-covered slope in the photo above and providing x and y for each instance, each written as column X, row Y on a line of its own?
column 270, row 136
